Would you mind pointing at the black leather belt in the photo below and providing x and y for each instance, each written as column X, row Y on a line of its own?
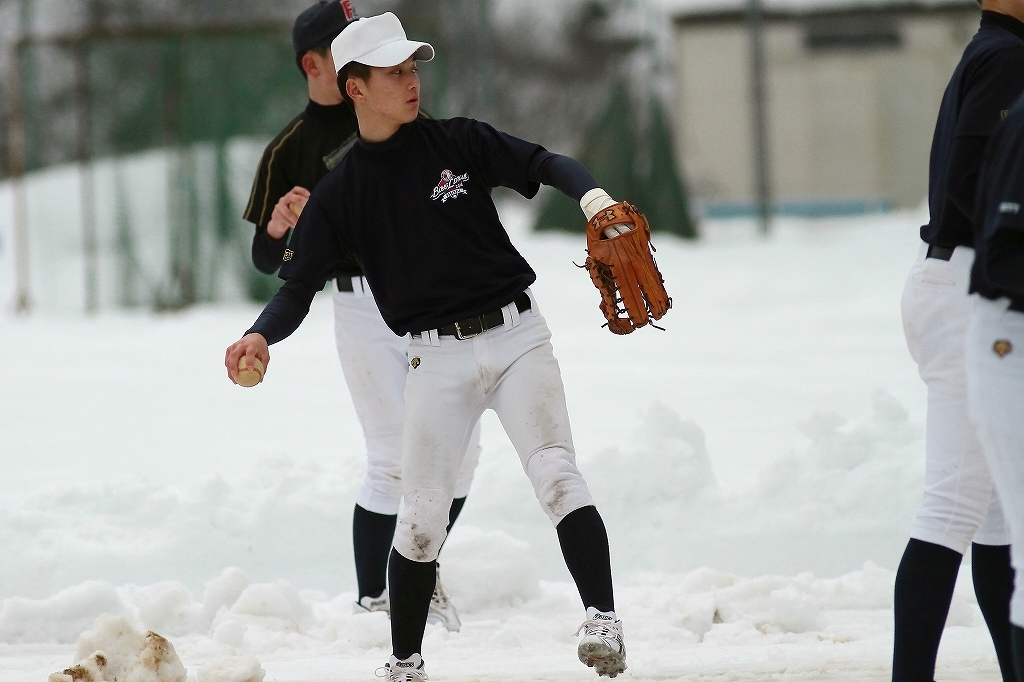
column 470, row 327
column 344, row 283
column 940, row 252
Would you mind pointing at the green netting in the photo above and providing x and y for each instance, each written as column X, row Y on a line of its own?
column 662, row 196
column 189, row 92
column 167, row 125
column 160, row 88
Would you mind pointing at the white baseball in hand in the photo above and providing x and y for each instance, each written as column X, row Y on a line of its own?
column 296, row 207
column 247, row 376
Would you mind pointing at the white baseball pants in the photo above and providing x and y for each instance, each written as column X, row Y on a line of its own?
column 510, row 369
column 373, row 360
column 959, row 504
column 996, row 390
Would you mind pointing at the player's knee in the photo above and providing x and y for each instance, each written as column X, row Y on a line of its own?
column 385, row 477
column 422, row 524
column 384, row 485
column 953, row 531
column 558, row 483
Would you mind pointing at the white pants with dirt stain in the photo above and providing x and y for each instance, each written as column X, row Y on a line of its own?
column 959, row 504
column 995, row 371
column 510, row 369
column 374, row 362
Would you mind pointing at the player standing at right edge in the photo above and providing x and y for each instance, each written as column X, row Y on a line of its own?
column 995, row 337
column 959, row 505
column 412, row 202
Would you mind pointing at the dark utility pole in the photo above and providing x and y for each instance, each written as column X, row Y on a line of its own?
column 762, row 156
column 472, row 63
column 87, row 183
column 18, row 159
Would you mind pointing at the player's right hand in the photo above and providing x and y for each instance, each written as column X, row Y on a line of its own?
column 251, row 346
column 286, row 212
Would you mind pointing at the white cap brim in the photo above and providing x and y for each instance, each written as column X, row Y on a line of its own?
column 397, row 52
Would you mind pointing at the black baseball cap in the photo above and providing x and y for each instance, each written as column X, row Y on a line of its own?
column 321, row 23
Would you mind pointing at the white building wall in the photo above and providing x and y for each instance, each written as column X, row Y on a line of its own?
column 713, row 111
column 846, row 125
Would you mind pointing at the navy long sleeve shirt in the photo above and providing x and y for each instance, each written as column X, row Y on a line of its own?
column 416, row 213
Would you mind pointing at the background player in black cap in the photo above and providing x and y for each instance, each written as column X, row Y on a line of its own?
column 995, row 336
column 372, row 357
column 959, row 505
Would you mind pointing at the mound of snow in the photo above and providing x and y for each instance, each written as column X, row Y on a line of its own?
column 114, row 651
column 487, row 568
column 61, row 617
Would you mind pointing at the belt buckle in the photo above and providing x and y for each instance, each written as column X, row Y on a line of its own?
column 463, row 337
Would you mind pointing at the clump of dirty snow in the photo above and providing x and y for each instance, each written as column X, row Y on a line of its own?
column 114, row 651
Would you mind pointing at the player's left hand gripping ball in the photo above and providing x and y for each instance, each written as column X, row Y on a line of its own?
column 249, row 376
column 622, row 268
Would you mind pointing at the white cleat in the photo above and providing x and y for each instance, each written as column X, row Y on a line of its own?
column 409, row 670
column 602, row 647
column 371, row 604
column 442, row 611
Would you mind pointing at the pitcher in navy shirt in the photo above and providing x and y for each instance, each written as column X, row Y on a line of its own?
column 960, row 508
column 373, row 359
column 411, row 201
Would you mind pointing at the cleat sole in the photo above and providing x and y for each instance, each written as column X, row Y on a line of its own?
column 605, row 661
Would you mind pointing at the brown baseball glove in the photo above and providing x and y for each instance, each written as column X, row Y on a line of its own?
column 623, row 269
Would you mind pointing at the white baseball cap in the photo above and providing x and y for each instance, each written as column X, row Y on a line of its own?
column 377, row 41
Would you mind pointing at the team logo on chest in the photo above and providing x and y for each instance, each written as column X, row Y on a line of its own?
column 450, row 187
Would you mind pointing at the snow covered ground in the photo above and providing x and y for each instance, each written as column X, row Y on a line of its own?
column 758, row 465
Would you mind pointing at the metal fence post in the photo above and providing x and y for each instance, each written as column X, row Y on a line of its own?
column 16, row 139
column 87, row 183
column 762, row 154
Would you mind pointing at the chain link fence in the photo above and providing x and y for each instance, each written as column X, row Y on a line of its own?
column 130, row 147
column 166, row 125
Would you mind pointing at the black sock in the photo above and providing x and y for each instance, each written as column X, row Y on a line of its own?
column 372, row 534
column 412, row 585
column 993, row 585
column 924, row 589
column 457, row 504
column 584, row 542
column 1017, row 643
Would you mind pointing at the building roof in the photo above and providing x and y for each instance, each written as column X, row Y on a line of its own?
column 689, row 10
